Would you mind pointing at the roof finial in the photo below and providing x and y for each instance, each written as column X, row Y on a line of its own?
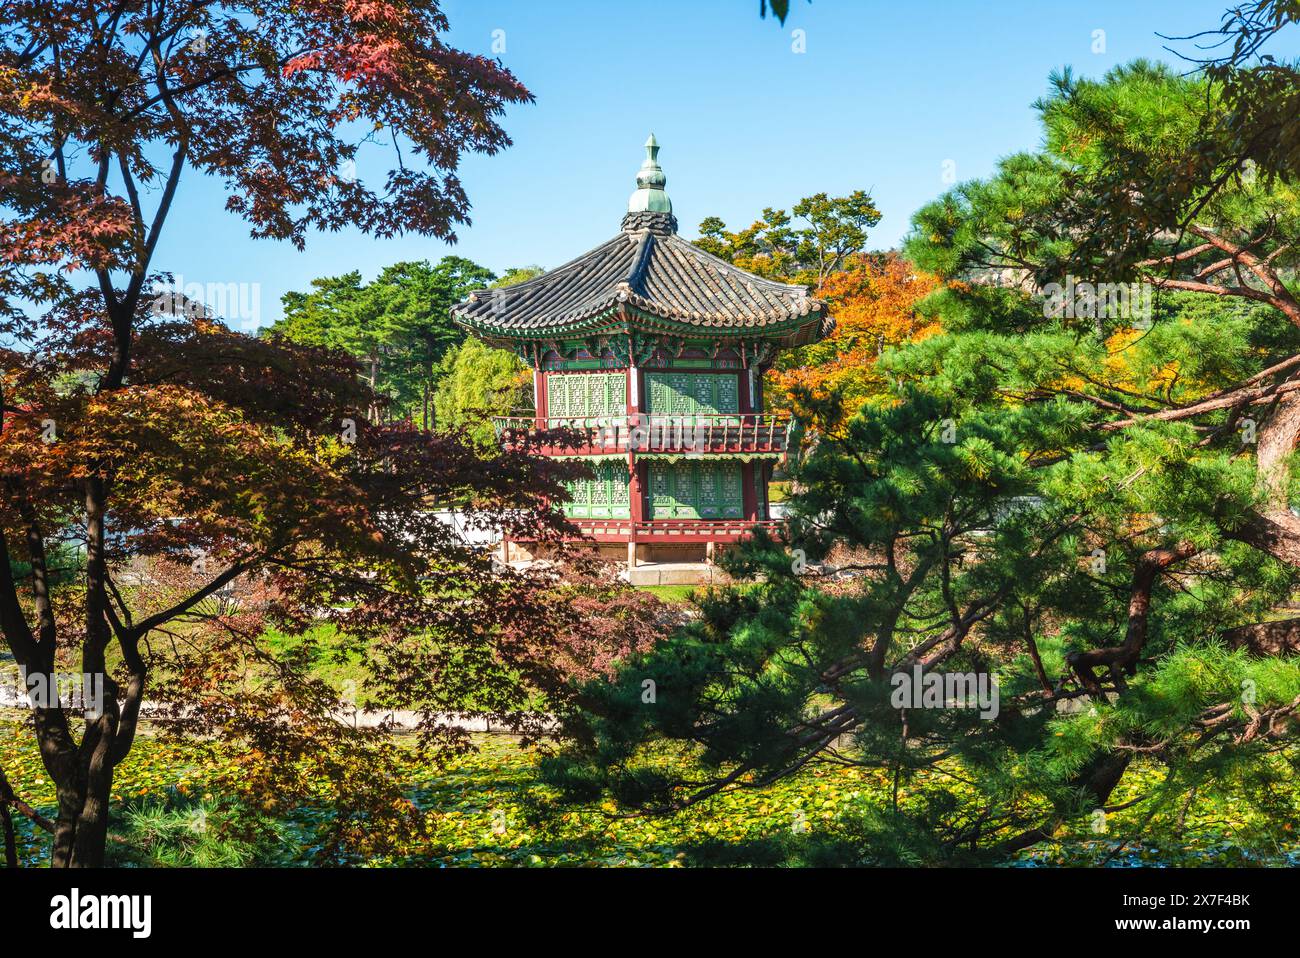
column 650, row 182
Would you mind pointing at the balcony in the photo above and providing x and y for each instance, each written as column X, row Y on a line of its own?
column 734, row 433
column 673, row 531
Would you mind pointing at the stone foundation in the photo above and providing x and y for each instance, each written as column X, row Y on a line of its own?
column 646, row 563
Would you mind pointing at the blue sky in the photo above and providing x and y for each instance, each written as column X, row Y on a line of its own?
column 883, row 96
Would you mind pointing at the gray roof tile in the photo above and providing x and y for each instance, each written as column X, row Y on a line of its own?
column 649, row 267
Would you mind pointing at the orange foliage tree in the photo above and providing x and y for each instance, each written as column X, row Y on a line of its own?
column 873, row 299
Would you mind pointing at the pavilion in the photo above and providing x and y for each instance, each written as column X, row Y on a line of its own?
column 654, row 351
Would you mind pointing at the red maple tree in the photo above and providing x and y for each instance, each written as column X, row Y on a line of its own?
column 182, row 460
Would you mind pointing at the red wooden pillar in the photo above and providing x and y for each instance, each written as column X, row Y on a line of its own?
column 747, row 490
column 635, row 490
column 539, row 398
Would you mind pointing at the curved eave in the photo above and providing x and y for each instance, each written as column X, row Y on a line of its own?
column 651, row 281
column 623, row 318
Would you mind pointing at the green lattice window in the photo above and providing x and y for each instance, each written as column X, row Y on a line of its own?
column 605, row 496
column 585, row 399
column 688, row 394
column 696, row 490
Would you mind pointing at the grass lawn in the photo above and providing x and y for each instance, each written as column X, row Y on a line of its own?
column 675, row 594
column 480, row 811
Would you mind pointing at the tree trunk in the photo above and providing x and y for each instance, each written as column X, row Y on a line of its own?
column 1275, row 529
column 84, row 780
column 65, row 828
column 1277, row 533
column 1095, row 782
column 1277, row 440
column 11, row 843
column 1278, row 637
column 81, row 829
column 7, row 822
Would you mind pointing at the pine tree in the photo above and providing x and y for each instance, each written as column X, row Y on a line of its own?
column 1082, row 488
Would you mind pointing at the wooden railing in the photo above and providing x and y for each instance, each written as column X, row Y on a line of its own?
column 673, row 530
column 650, row 432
